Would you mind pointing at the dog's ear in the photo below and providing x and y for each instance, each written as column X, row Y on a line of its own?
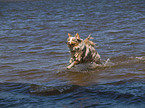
column 78, row 36
column 69, row 35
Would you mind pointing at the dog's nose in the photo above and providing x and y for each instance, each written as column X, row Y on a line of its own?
column 67, row 42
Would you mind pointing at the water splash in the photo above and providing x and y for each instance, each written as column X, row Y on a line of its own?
column 109, row 63
column 141, row 58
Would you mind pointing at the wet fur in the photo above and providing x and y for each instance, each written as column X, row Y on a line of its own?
column 82, row 51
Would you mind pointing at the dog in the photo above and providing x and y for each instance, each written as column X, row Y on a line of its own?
column 82, row 51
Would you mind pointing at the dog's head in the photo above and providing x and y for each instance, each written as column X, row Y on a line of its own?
column 73, row 41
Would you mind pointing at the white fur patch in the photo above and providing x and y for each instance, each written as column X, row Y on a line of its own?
column 70, row 40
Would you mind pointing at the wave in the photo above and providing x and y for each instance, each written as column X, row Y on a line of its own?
column 49, row 90
column 124, row 90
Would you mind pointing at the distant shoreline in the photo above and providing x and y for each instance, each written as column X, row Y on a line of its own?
column 16, row 0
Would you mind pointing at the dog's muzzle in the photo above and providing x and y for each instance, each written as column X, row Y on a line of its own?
column 69, row 44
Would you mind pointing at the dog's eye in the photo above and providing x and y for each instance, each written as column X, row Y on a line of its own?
column 72, row 44
column 78, row 40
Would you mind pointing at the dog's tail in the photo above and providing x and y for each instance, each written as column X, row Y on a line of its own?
column 88, row 42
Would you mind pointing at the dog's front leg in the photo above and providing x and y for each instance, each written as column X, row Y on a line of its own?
column 72, row 64
column 71, row 60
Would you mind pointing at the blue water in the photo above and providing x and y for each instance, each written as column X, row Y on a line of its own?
column 34, row 56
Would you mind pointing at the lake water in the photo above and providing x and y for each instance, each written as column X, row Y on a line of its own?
column 34, row 56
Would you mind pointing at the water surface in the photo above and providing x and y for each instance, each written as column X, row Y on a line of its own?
column 33, row 54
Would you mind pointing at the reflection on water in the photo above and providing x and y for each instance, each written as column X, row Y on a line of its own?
column 34, row 56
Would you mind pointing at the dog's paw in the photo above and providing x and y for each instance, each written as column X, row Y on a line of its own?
column 68, row 67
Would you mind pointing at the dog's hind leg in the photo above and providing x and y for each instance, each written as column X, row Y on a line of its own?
column 97, row 59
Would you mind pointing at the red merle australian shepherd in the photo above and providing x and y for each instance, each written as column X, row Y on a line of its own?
column 82, row 51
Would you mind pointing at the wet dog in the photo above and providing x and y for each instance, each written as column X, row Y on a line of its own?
column 82, row 51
